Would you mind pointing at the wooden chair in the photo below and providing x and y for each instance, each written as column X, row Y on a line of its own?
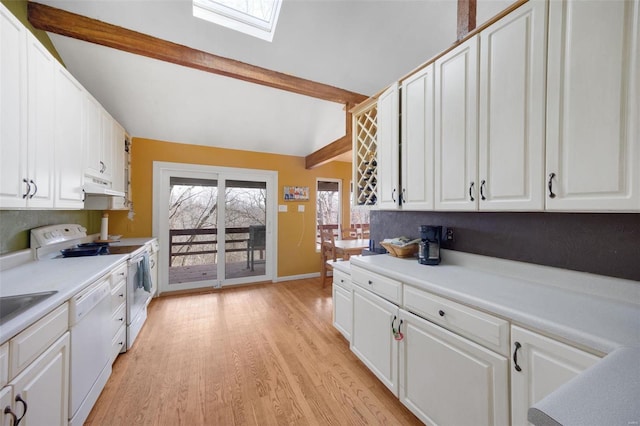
column 349, row 233
column 327, row 252
column 364, row 230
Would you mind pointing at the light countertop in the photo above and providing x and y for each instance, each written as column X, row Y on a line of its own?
column 67, row 276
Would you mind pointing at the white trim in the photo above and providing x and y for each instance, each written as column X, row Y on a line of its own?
column 298, row 277
column 162, row 171
column 237, row 20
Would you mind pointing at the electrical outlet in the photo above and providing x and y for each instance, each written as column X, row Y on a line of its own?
column 301, row 208
column 448, row 234
column 282, row 208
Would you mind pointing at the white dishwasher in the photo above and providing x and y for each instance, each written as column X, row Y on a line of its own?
column 90, row 320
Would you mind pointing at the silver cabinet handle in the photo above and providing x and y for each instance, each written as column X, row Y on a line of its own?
column 470, row 191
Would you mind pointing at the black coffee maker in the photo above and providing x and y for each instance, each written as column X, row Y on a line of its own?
column 429, row 253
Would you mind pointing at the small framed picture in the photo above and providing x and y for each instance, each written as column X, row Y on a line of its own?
column 296, row 193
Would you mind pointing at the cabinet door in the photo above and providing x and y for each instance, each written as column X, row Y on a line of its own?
column 92, row 134
column 456, row 128
column 44, row 385
column 69, row 97
column 6, row 400
column 106, row 147
column 417, row 141
column 545, row 365
column 446, row 379
column 40, row 106
column 512, row 109
column 388, row 149
column 372, row 338
column 13, row 111
column 342, row 310
column 593, row 84
column 118, row 143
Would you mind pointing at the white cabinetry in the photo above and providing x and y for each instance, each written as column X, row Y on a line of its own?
column 92, row 131
column 593, row 117
column 417, row 132
column 38, row 372
column 446, row 379
column 372, row 338
column 342, row 303
column 456, row 127
column 106, row 146
column 13, row 111
column 539, row 366
column 512, row 110
column 118, row 282
column 68, row 140
column 388, row 149
column 118, row 144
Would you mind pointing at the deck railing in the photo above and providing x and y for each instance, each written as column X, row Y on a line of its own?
column 239, row 237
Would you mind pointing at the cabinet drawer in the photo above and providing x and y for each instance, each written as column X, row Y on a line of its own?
column 28, row 345
column 385, row 287
column 118, row 275
column 479, row 327
column 4, row 364
column 119, row 343
column 118, row 296
column 118, row 318
column 341, row 279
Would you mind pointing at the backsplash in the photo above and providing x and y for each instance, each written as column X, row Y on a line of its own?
column 600, row 243
column 15, row 224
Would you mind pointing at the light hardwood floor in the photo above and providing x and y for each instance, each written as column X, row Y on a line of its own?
column 256, row 355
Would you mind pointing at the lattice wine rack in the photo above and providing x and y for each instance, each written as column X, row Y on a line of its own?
column 364, row 157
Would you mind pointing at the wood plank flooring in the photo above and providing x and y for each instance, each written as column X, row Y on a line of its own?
column 256, row 355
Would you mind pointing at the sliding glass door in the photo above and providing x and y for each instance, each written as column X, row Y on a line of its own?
column 215, row 224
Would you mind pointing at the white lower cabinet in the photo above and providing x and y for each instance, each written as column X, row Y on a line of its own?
column 540, row 365
column 342, row 301
column 446, row 379
column 372, row 338
column 44, row 388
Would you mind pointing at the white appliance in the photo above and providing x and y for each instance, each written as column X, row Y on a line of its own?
column 90, row 320
column 139, row 295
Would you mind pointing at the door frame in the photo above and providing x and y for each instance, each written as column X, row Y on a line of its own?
column 162, row 172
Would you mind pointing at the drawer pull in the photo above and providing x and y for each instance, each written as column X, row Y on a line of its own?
column 370, row 282
column 19, row 399
column 121, row 295
column 397, row 334
column 515, row 356
column 441, row 312
column 120, row 319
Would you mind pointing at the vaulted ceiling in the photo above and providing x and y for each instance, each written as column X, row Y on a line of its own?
column 357, row 45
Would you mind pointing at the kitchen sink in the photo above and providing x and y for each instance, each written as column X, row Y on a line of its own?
column 12, row 306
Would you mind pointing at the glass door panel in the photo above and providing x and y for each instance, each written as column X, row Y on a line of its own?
column 245, row 219
column 193, row 231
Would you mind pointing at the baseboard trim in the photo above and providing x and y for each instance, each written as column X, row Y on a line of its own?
column 298, row 277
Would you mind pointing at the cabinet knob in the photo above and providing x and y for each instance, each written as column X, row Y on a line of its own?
column 441, row 312
column 370, row 282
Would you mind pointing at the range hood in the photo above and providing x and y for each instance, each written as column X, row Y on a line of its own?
column 97, row 189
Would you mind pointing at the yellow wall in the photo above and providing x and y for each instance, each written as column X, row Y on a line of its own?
column 296, row 231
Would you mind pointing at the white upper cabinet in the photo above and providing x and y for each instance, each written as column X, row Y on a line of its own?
column 456, row 129
column 92, row 135
column 593, row 84
column 388, row 149
column 69, row 99
column 106, row 147
column 512, row 110
column 118, row 136
column 13, row 111
column 417, row 130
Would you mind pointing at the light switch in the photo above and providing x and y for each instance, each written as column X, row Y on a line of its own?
column 282, row 208
column 300, row 207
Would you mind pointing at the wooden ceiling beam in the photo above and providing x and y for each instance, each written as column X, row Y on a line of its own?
column 338, row 147
column 466, row 17
column 80, row 27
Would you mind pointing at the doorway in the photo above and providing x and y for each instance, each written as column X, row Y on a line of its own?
column 216, row 225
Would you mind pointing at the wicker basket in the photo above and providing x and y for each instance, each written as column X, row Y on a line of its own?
column 397, row 251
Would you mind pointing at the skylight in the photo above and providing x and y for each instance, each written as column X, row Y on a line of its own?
column 257, row 18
